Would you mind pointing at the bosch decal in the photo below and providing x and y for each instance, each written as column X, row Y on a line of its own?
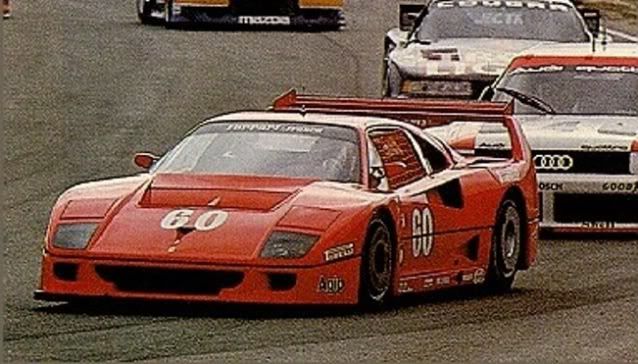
column 546, row 186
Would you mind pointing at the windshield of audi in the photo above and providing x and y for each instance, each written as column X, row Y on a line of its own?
column 318, row 151
column 533, row 20
column 593, row 90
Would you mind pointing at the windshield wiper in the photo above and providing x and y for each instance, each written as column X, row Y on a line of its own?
column 530, row 100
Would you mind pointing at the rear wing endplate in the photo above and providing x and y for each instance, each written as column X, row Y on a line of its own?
column 422, row 113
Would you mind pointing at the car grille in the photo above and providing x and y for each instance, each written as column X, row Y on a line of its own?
column 270, row 7
column 169, row 281
column 581, row 162
column 620, row 208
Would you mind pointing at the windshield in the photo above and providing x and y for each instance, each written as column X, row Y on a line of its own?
column 268, row 149
column 604, row 90
column 535, row 20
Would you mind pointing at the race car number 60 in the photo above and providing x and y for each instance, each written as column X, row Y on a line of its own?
column 207, row 221
column 422, row 232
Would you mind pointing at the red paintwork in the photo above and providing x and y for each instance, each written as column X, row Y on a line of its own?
column 129, row 233
column 537, row 61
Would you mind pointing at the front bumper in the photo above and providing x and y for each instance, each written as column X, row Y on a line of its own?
column 588, row 203
column 223, row 18
column 63, row 279
column 467, row 87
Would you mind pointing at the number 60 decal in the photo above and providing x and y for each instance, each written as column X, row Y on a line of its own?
column 422, row 232
column 207, row 221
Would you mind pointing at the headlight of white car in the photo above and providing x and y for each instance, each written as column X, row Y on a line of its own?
column 73, row 236
column 437, row 88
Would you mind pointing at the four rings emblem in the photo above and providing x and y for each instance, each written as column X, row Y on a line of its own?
column 553, row 162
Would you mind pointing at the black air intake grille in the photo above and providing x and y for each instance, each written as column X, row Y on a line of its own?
column 561, row 161
column 595, row 208
column 169, row 281
column 264, row 7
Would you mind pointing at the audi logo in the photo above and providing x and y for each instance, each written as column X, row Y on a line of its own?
column 553, row 162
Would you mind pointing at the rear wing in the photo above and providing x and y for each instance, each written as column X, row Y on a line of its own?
column 422, row 113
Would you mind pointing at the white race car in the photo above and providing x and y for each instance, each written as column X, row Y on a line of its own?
column 579, row 111
column 455, row 48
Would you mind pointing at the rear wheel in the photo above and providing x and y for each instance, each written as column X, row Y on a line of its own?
column 377, row 265
column 506, row 247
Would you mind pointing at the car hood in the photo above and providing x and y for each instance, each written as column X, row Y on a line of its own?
column 220, row 218
column 470, row 57
column 566, row 132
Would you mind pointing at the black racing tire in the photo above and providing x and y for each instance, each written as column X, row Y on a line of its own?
column 506, row 247
column 392, row 81
column 385, row 88
column 168, row 15
column 144, row 9
column 377, row 266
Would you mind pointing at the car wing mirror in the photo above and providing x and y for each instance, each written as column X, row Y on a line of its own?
column 408, row 15
column 145, row 160
column 592, row 20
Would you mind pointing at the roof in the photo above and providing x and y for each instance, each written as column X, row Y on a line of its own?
column 576, row 50
column 359, row 122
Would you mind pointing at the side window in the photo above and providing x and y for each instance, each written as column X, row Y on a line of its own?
column 435, row 156
column 400, row 161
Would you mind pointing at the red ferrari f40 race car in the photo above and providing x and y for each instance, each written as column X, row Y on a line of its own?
column 318, row 200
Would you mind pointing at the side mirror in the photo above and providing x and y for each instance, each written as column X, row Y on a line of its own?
column 592, row 20
column 487, row 94
column 377, row 174
column 145, row 160
column 408, row 14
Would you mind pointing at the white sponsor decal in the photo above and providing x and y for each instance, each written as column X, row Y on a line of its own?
column 264, row 20
column 621, row 187
column 339, row 252
column 207, row 221
column 508, row 4
column 422, row 232
column 479, row 276
column 553, row 162
column 609, row 69
column 331, row 285
column 274, row 127
column 599, row 224
column 542, row 69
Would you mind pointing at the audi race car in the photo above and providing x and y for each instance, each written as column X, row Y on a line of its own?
column 456, row 48
column 317, row 201
column 579, row 110
column 316, row 14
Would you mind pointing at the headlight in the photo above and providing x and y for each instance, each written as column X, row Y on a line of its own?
column 283, row 244
column 73, row 236
column 437, row 88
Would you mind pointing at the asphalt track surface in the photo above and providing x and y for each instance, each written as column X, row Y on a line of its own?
column 86, row 86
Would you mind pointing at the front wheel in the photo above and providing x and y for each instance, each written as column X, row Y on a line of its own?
column 144, row 9
column 506, row 247
column 377, row 265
